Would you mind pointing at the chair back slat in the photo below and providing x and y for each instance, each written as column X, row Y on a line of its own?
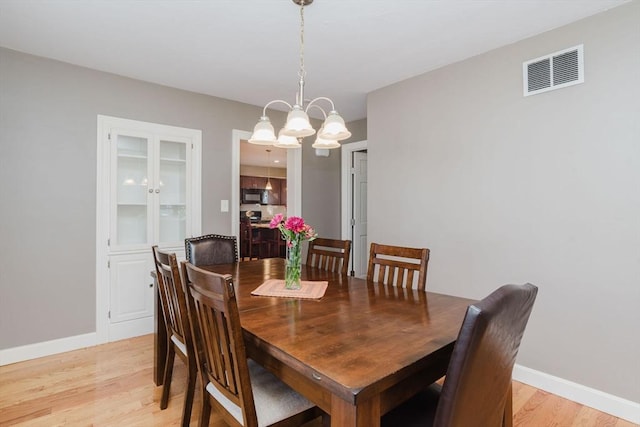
column 172, row 296
column 397, row 265
column 221, row 349
column 329, row 254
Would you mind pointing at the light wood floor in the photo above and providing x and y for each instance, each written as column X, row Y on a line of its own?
column 111, row 385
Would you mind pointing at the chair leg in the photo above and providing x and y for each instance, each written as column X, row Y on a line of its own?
column 508, row 409
column 206, row 409
column 326, row 420
column 168, row 372
column 188, row 395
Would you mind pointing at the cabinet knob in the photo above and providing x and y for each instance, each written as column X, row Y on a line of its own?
column 151, row 285
column 157, row 190
column 151, row 190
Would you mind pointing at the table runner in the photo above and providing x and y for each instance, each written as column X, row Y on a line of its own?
column 275, row 288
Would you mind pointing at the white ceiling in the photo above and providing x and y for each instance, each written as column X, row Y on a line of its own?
column 247, row 50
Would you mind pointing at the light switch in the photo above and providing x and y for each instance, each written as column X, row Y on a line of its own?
column 224, row 206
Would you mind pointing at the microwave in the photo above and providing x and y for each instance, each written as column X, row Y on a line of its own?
column 255, row 195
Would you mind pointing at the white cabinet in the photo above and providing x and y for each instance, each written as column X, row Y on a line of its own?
column 151, row 190
column 150, row 187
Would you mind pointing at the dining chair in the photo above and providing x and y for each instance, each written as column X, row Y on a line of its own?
column 477, row 386
column 252, row 243
column 329, row 254
column 174, row 309
column 243, row 392
column 396, row 265
column 211, row 249
column 277, row 245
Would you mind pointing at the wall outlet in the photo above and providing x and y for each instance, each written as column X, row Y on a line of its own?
column 224, row 206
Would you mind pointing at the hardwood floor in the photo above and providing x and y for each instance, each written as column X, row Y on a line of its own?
column 111, row 385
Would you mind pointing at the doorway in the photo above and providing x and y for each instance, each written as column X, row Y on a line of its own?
column 294, row 180
column 354, row 204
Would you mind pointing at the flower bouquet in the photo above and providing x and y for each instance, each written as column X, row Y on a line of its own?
column 294, row 231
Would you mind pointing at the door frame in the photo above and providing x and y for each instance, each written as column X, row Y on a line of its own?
column 347, row 151
column 294, row 181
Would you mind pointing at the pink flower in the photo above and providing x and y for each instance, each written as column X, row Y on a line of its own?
column 275, row 221
column 295, row 224
column 309, row 233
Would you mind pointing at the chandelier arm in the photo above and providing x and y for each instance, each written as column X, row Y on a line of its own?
column 320, row 98
column 264, row 110
column 319, row 108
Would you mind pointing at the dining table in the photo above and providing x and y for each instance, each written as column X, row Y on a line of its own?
column 357, row 352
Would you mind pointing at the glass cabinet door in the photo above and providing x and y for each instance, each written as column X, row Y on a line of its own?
column 173, row 184
column 129, row 188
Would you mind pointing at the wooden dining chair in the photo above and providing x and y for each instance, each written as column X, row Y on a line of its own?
column 174, row 309
column 477, row 387
column 252, row 243
column 329, row 254
column 244, row 393
column 211, row 249
column 397, row 265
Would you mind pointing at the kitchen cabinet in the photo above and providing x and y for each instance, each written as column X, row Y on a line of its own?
column 274, row 193
column 278, row 194
column 254, row 182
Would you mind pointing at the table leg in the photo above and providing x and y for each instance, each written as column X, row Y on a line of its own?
column 364, row 414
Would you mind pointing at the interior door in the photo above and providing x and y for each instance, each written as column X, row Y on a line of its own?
column 361, row 252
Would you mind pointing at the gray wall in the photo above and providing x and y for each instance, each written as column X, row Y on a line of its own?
column 48, row 119
column 321, row 183
column 543, row 189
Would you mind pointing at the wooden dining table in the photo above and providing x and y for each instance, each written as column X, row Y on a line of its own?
column 357, row 353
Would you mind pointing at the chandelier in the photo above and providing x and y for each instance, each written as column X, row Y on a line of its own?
column 298, row 125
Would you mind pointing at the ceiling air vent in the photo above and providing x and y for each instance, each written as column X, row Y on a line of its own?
column 554, row 71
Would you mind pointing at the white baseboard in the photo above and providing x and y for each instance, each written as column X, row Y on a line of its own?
column 604, row 402
column 47, row 348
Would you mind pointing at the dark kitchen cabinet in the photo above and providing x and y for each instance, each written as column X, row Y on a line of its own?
column 254, row 182
column 274, row 193
column 278, row 194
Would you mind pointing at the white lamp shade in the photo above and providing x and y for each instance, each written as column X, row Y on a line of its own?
column 263, row 133
column 325, row 143
column 298, row 124
column 334, row 128
column 285, row 141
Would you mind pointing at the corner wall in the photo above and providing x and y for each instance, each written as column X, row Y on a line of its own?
column 543, row 189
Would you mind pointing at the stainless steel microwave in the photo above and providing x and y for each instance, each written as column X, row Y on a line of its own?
column 255, row 195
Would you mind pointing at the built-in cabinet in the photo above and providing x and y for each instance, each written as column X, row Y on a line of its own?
column 278, row 193
column 152, row 182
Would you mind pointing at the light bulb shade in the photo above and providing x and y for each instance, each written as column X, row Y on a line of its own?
column 325, row 143
column 298, row 124
column 334, row 128
column 285, row 141
column 268, row 186
column 263, row 133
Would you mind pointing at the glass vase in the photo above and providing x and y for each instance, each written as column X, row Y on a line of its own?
column 293, row 266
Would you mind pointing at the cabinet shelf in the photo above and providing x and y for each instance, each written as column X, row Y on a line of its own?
column 131, row 156
column 133, row 204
